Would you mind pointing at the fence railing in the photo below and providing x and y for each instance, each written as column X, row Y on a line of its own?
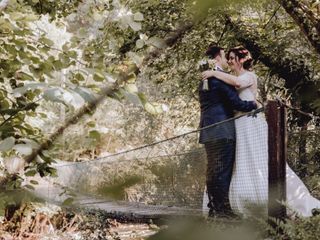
column 277, row 149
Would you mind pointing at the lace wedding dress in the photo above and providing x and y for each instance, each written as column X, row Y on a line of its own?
column 249, row 183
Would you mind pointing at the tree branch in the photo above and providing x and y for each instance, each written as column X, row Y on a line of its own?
column 273, row 15
column 17, row 110
column 305, row 19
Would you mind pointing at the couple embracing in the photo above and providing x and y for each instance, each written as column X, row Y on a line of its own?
column 237, row 151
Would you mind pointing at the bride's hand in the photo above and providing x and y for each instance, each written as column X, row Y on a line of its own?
column 259, row 104
column 207, row 74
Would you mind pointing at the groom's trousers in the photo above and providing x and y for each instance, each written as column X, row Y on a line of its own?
column 220, row 156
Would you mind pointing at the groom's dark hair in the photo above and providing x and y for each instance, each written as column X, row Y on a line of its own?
column 213, row 50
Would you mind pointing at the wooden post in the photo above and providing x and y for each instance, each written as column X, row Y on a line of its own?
column 277, row 146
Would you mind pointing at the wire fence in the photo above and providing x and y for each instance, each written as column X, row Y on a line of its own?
column 245, row 171
column 175, row 173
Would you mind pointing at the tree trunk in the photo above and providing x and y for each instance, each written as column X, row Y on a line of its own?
column 305, row 19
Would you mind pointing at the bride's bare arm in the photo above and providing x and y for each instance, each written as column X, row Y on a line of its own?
column 225, row 77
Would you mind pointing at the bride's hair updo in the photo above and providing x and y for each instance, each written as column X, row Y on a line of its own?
column 243, row 55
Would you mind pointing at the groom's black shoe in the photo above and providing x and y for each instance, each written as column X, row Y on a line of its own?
column 230, row 214
column 215, row 214
column 222, row 214
column 315, row 211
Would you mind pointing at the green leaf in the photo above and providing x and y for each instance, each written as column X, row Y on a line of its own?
column 156, row 42
column 44, row 156
column 63, row 192
column 32, row 17
column 34, row 182
column 32, row 48
column 6, row 25
column 29, row 186
column 58, row 65
column 94, row 134
column 131, row 78
column 82, row 32
column 153, row 108
column 138, row 17
column 131, row 88
column 143, row 98
column 31, row 114
column 19, row 42
column 43, row 115
column 4, row 104
column 68, row 201
column 72, row 54
column 11, row 49
column 35, row 60
column 135, row 26
column 46, row 41
column 118, row 95
column 65, row 47
column 7, row 144
column 52, row 171
column 24, row 76
column 98, row 77
column 91, row 124
column 10, row 111
column 139, row 43
column 7, row 130
column 65, row 60
column 79, row 77
column 150, row 108
column 30, row 173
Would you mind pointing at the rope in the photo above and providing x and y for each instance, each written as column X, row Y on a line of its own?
column 197, row 150
column 250, row 114
column 282, row 102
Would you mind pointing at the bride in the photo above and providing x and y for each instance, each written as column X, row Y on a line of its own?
column 249, row 184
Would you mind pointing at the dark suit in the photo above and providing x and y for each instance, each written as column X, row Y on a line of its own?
column 217, row 104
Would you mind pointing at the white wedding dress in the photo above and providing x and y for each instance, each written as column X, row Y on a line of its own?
column 249, row 183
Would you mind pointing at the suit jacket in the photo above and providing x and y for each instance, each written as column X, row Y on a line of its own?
column 218, row 104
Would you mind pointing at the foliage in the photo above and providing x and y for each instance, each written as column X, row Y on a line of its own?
column 303, row 157
column 56, row 9
column 252, row 228
column 35, row 68
column 45, row 79
column 297, row 229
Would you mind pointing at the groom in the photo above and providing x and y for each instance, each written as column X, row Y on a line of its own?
column 217, row 103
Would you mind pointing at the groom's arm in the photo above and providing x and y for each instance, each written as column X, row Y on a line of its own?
column 233, row 97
